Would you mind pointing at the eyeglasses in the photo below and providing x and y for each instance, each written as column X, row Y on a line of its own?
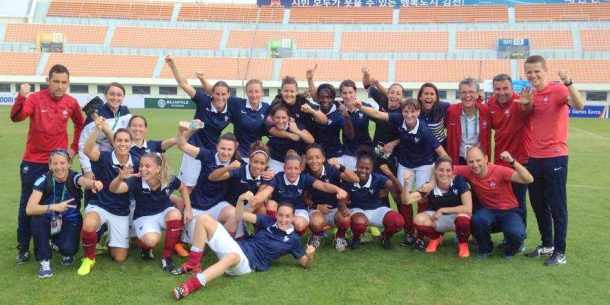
column 60, row 151
column 468, row 92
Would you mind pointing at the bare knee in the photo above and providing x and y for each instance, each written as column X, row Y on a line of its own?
column 423, row 219
column 119, row 254
column 316, row 221
column 300, row 223
column 150, row 240
column 359, row 219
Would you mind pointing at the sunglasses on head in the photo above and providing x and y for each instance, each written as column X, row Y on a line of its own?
column 59, row 151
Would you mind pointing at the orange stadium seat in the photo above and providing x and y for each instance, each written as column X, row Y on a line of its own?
column 453, row 14
column 395, row 42
column 223, row 68
column 138, row 37
column 595, row 40
column 334, row 69
column 231, row 13
column 588, row 71
column 303, row 40
column 26, row 32
column 105, row 65
column 568, row 11
column 12, row 63
column 331, row 14
column 121, row 9
column 540, row 39
column 448, row 70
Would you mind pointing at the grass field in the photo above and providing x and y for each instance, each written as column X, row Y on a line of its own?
column 369, row 275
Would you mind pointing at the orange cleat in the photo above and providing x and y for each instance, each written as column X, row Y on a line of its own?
column 463, row 250
column 433, row 244
column 179, row 248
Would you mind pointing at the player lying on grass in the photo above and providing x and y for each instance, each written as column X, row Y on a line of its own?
column 274, row 239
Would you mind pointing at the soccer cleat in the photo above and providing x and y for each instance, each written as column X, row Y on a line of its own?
column 23, row 257
column 45, row 269
column 355, row 243
column 53, row 246
column 180, row 292
column 484, row 255
column 385, row 242
column 315, row 240
column 374, row 231
column 167, row 264
column 556, row 259
column 340, row 244
column 540, row 251
column 463, row 250
column 67, row 260
column 521, row 249
column 186, row 268
column 179, row 248
column 86, row 266
column 419, row 245
column 408, row 240
column 433, row 244
column 93, row 105
column 147, row 254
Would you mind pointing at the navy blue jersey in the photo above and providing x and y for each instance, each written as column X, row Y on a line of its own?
column 151, row 202
column 241, row 181
column 278, row 146
column 283, row 190
column 366, row 197
column 360, row 121
column 384, row 133
column 149, row 146
column 328, row 135
column 106, row 168
column 249, row 125
column 294, row 110
column 60, row 194
column 270, row 243
column 215, row 122
column 436, row 120
column 206, row 193
column 438, row 199
column 416, row 146
column 332, row 175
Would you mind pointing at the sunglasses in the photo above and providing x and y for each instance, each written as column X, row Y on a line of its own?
column 59, row 151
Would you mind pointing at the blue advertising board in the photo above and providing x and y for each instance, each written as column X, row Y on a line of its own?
column 424, row 3
column 599, row 112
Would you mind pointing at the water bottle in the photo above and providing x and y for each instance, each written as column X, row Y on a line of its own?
column 195, row 125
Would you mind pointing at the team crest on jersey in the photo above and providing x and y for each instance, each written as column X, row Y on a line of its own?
column 298, row 115
column 300, row 191
column 484, row 124
column 286, row 239
column 416, row 140
column 372, row 191
column 330, row 121
column 262, row 116
column 258, row 183
column 507, row 112
column 65, row 113
column 493, row 184
column 226, row 118
column 545, row 99
column 361, row 115
column 326, row 180
column 455, row 192
column 166, row 192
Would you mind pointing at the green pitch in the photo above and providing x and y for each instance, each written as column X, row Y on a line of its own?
column 369, row 275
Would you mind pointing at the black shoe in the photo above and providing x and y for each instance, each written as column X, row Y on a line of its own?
column 556, row 259
column 147, row 254
column 385, row 242
column 93, row 105
column 23, row 256
column 418, row 245
column 408, row 240
column 167, row 264
column 355, row 243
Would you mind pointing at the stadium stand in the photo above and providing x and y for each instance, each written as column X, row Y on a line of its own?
column 223, row 68
column 230, row 13
column 557, row 12
column 330, row 14
column 111, row 9
column 166, row 38
column 541, row 39
column 334, row 70
column 448, row 71
column 105, row 65
column 595, row 40
column 26, row 32
column 303, row 40
column 395, row 42
column 453, row 14
column 12, row 63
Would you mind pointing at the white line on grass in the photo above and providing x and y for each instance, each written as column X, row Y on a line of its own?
column 589, row 186
column 591, row 133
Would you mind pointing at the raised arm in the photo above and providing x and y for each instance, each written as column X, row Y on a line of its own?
column 372, row 112
column 521, row 174
column 239, row 208
column 303, row 134
column 348, row 129
column 182, row 82
column 22, row 108
column 90, row 150
column 169, row 143
column 222, row 173
column 317, row 115
column 330, row 188
column 307, row 260
column 575, row 99
column 118, row 185
column 313, row 91
column 346, row 174
column 393, row 185
column 407, row 197
column 183, row 145
column 207, row 87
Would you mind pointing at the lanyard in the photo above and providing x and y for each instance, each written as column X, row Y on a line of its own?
column 116, row 119
column 476, row 123
column 63, row 191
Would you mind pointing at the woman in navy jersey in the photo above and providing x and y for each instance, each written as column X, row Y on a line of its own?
column 449, row 207
column 360, row 122
column 55, row 209
column 433, row 110
column 366, row 206
column 107, row 208
column 210, row 196
column 286, row 134
column 299, row 108
column 138, row 126
column 289, row 185
column 154, row 211
column 324, row 205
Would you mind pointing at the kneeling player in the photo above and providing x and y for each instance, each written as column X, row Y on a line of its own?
column 273, row 240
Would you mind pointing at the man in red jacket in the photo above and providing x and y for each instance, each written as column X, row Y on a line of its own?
column 49, row 111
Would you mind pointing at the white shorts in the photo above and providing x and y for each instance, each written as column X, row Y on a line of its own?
column 330, row 217
column 445, row 223
column 302, row 213
column 118, row 226
column 422, row 175
column 276, row 166
column 222, row 244
column 189, row 227
column 375, row 216
column 151, row 224
column 348, row 161
column 189, row 170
